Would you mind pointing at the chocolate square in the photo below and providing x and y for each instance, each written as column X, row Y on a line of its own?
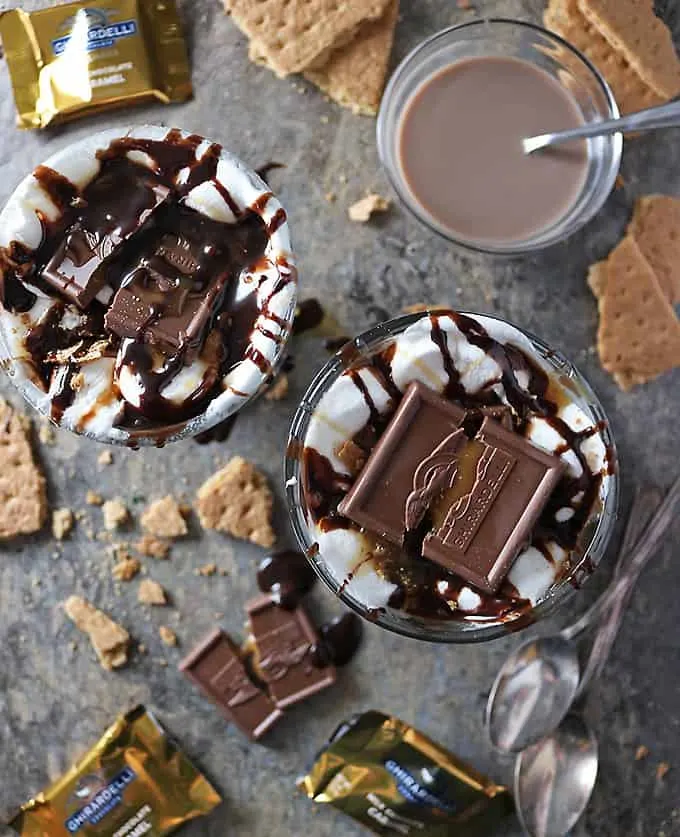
column 479, row 497
column 378, row 498
column 284, row 640
column 216, row 667
column 75, row 268
column 503, row 484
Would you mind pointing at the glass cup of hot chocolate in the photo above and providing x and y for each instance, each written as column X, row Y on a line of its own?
column 451, row 477
column 147, row 286
column 450, row 133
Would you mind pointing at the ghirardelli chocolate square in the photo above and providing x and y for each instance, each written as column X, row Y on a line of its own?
column 473, row 500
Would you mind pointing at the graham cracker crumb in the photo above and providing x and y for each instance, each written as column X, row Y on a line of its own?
column 163, row 518
column 46, row 433
column 78, row 382
column 641, row 753
column 153, row 547
column 331, row 197
column 115, row 513
column 141, row 648
column 662, row 769
column 352, row 456
column 363, row 209
column 150, row 592
column 93, row 499
column 237, row 500
column 109, row 640
column 207, row 570
column 278, row 389
column 168, row 636
column 105, row 458
column 23, row 495
column 126, row 569
column 62, row 523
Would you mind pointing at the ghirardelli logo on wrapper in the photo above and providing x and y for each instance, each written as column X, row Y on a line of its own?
column 415, row 789
column 97, row 797
column 90, row 29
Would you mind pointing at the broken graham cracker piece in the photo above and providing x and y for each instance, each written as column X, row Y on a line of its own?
column 363, row 209
column 293, row 35
column 126, row 568
column 150, row 592
column 23, row 495
column 630, row 91
column 109, row 640
column 639, row 333
column 115, row 514
column 62, row 523
column 168, row 636
column 656, row 229
column 237, row 500
column 643, row 39
column 355, row 74
column 153, row 547
column 164, row 519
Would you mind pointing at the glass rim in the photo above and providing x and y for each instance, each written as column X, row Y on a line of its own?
column 528, row 245
column 441, row 631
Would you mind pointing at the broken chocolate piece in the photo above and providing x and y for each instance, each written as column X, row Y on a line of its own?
column 502, row 486
column 216, row 667
column 478, row 498
column 178, row 280
column 284, row 641
column 77, row 268
column 378, row 497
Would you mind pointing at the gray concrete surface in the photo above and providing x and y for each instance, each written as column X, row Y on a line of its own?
column 55, row 700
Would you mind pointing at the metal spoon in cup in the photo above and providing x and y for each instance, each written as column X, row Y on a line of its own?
column 661, row 116
column 555, row 778
column 540, row 680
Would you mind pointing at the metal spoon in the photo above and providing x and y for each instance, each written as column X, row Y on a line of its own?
column 661, row 116
column 554, row 779
column 538, row 683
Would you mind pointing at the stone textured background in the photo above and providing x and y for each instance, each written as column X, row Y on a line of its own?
column 54, row 698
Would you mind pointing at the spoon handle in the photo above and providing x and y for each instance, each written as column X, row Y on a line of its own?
column 661, row 116
column 643, row 506
column 620, row 593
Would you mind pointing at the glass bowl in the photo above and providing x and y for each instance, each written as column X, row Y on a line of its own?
column 500, row 37
column 272, row 282
column 594, row 537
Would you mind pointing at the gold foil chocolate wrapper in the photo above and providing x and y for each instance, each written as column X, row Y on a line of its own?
column 133, row 782
column 395, row 781
column 72, row 59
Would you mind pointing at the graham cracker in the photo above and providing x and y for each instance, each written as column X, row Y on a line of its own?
column 639, row 333
column 150, row 592
column 109, row 640
column 237, row 500
column 23, row 496
column 355, row 74
column 656, row 228
column 644, row 40
column 293, row 35
column 164, row 519
column 630, row 91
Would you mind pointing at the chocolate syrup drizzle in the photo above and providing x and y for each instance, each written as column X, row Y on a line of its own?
column 116, row 191
column 424, row 588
